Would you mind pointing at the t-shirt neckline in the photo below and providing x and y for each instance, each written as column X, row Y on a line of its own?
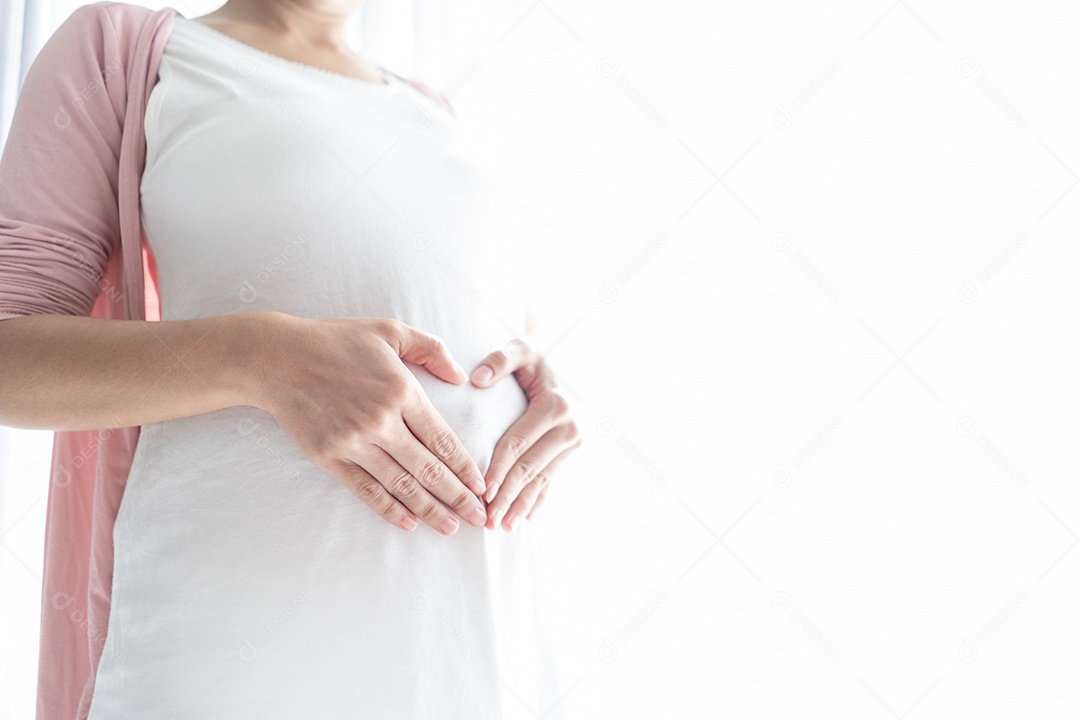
column 389, row 77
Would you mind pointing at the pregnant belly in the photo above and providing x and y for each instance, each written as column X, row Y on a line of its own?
column 226, row 527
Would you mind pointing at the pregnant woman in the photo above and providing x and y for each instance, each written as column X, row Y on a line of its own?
column 322, row 517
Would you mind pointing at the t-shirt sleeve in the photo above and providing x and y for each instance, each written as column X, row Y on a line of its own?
column 59, row 214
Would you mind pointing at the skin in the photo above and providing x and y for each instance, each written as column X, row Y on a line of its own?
column 306, row 31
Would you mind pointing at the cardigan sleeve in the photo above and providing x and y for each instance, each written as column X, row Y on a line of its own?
column 59, row 213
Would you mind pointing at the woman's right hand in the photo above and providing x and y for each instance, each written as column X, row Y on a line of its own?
column 340, row 389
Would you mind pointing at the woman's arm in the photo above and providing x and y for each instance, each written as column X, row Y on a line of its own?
column 61, row 372
column 338, row 387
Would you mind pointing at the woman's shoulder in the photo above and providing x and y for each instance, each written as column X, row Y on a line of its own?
column 122, row 17
column 102, row 37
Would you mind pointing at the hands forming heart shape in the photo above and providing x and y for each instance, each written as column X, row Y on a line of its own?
column 536, row 444
column 339, row 387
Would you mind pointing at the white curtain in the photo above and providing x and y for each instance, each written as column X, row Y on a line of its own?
column 24, row 455
column 24, row 28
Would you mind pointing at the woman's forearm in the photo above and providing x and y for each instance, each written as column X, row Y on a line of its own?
column 60, row 372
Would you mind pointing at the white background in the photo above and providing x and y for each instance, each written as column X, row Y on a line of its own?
column 808, row 275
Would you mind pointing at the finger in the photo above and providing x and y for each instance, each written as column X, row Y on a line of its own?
column 430, row 429
column 550, row 469
column 526, row 469
column 543, row 413
column 530, row 497
column 430, row 472
column 525, row 499
column 404, row 486
column 539, row 501
column 421, row 348
column 501, row 363
column 532, row 494
column 364, row 486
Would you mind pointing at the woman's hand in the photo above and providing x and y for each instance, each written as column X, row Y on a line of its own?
column 339, row 388
column 537, row 443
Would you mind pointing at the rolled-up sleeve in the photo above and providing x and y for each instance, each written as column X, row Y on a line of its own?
column 59, row 215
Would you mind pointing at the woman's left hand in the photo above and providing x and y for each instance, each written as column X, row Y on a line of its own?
column 537, row 443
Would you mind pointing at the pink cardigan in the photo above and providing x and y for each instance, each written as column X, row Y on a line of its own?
column 71, row 243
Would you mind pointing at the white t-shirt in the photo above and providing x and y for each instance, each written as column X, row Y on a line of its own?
column 247, row 582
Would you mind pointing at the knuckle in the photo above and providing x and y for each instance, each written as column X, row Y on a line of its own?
column 518, row 347
column 402, row 484
column 391, row 327
column 499, row 359
column 386, row 421
column 525, row 471
column 370, row 493
column 443, row 445
column 396, row 390
column 462, row 502
column 375, row 424
column 516, row 445
column 389, row 330
column 558, row 404
column 431, row 472
column 331, row 446
column 351, row 439
column 322, row 452
column 430, row 512
column 542, row 480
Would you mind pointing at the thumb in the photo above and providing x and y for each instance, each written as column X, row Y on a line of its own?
column 430, row 351
column 497, row 365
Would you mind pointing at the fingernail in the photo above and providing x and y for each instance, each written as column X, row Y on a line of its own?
column 492, row 492
column 513, row 521
column 460, row 369
column 408, row 523
column 479, row 486
column 448, row 525
column 482, row 374
column 477, row 517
